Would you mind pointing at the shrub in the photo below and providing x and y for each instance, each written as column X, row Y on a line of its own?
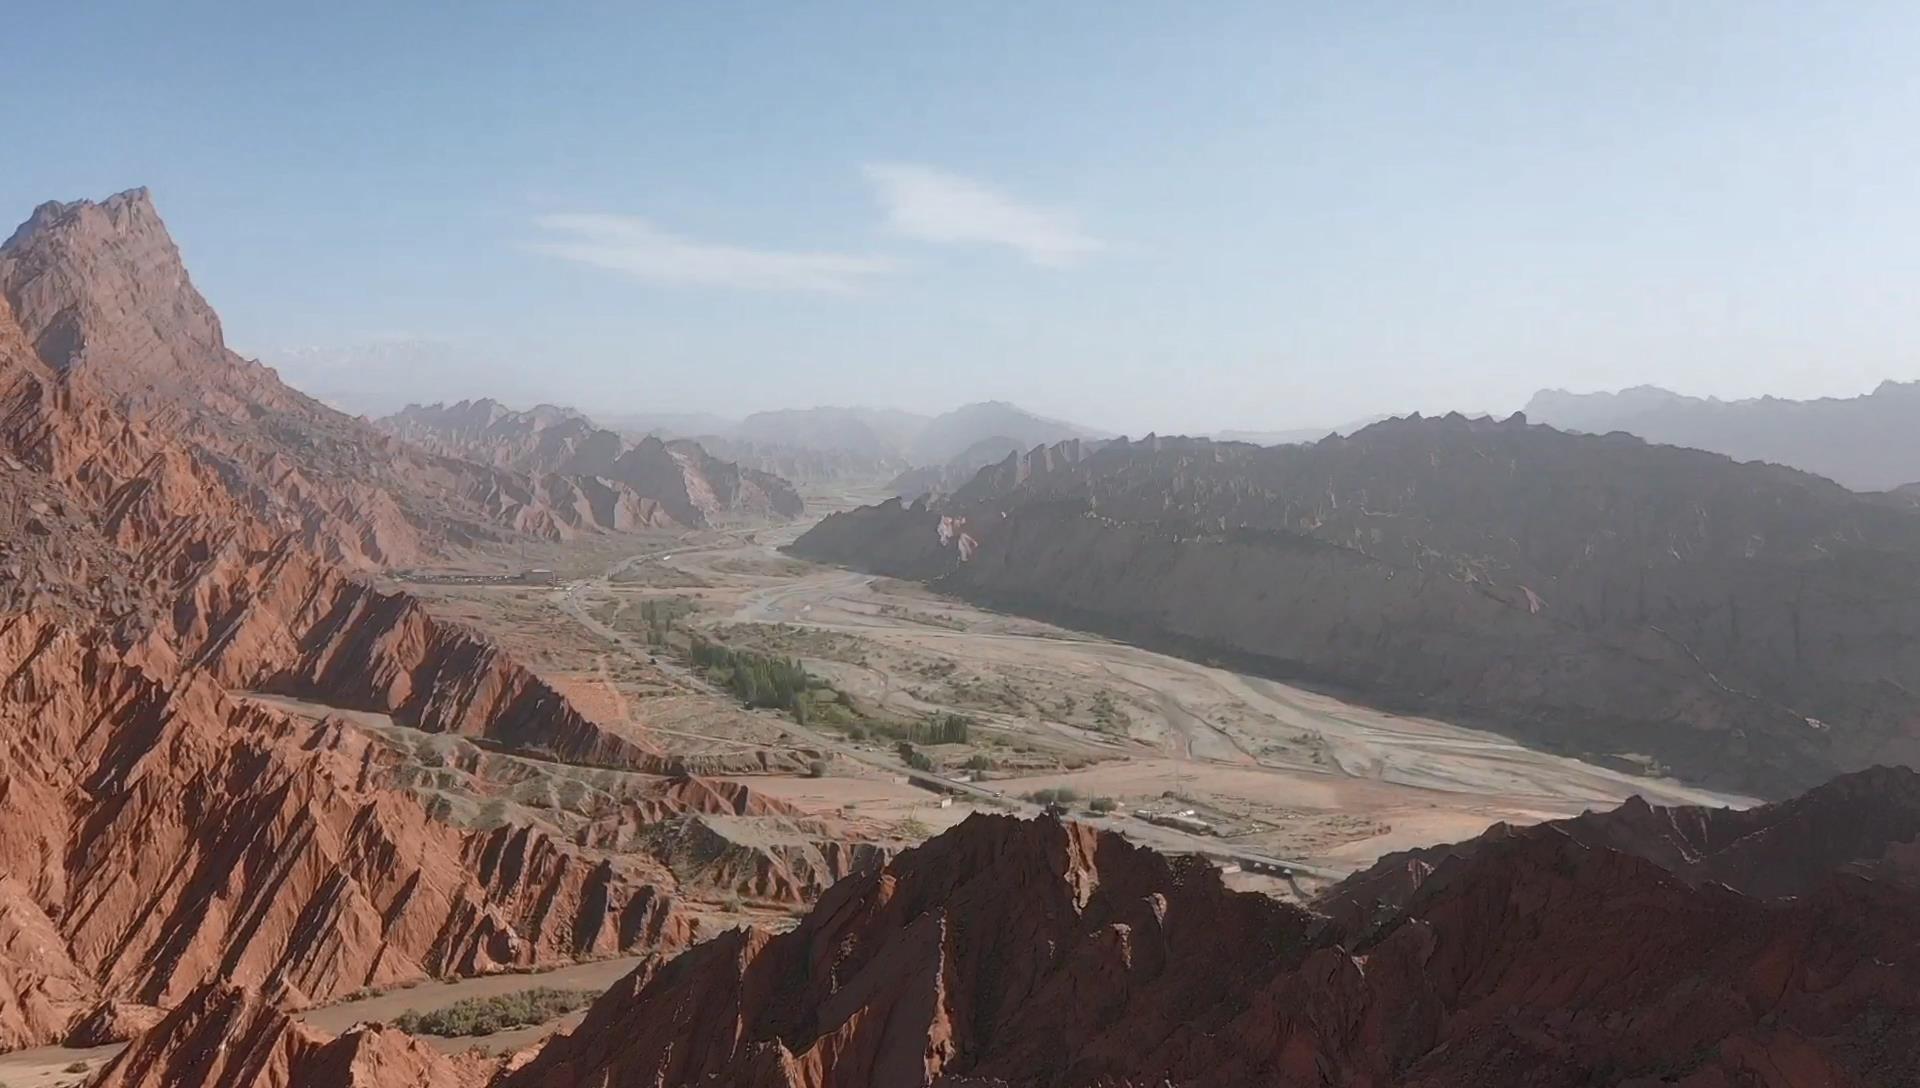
column 1102, row 805
column 979, row 761
column 913, row 757
column 503, row 1012
column 816, row 768
column 1057, row 795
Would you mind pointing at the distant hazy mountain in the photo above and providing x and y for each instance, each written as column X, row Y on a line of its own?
column 869, row 432
column 695, row 488
column 1868, row 443
column 954, row 433
column 1744, row 624
column 666, row 424
column 1296, row 435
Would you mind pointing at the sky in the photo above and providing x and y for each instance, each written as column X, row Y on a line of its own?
column 1139, row 216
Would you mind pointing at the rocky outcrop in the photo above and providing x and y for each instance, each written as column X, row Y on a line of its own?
column 1867, row 822
column 1027, row 954
column 1739, row 624
column 771, row 860
column 157, row 833
column 683, row 481
column 228, row 1037
column 1041, row 954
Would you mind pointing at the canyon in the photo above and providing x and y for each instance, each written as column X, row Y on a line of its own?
column 291, row 728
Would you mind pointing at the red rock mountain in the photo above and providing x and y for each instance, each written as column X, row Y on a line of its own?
column 155, row 833
column 1741, row 624
column 693, row 487
column 98, row 292
column 227, row 1037
column 1034, row 953
column 176, row 524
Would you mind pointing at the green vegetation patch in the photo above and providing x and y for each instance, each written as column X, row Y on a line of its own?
column 487, row 1015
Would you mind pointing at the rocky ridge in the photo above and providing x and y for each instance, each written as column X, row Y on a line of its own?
column 1740, row 624
column 1040, row 954
column 688, row 484
column 1867, row 822
column 156, row 833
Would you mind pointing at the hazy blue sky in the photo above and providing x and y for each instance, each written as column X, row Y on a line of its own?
column 1171, row 216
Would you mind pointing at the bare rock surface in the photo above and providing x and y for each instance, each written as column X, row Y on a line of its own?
column 1035, row 953
column 158, row 833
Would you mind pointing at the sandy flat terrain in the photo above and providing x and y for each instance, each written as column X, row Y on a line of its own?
column 1275, row 768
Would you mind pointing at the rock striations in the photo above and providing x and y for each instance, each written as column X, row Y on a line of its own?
column 1035, row 953
column 158, row 833
column 175, row 524
column 1039, row 954
column 1742, row 624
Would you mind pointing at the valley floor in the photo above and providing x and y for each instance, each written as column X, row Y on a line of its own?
column 1295, row 788
column 1278, row 771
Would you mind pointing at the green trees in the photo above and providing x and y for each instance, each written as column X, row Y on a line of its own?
column 759, row 680
column 914, row 757
column 486, row 1015
column 944, row 729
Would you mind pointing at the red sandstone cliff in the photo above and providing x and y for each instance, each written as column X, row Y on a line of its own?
column 114, row 325
column 1011, row 953
column 1022, row 954
column 226, row 1037
column 155, row 834
column 203, row 541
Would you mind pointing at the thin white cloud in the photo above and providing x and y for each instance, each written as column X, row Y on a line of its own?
column 934, row 206
column 638, row 248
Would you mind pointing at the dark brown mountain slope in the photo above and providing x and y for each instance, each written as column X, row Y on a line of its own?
column 1741, row 624
column 1867, row 822
column 693, row 487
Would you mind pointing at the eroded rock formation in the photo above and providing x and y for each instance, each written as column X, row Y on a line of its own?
column 158, row 833
column 227, row 1037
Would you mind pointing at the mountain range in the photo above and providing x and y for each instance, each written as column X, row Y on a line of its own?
column 1734, row 623
column 1869, row 443
column 189, row 548
column 690, row 485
